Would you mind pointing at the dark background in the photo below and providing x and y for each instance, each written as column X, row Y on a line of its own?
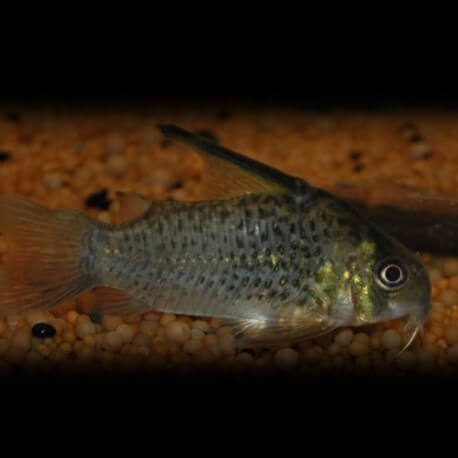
column 307, row 96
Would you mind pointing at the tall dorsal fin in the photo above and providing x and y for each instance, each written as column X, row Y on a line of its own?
column 231, row 174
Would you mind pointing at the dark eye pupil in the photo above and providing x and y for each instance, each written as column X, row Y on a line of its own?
column 393, row 273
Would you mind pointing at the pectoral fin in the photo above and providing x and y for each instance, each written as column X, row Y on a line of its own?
column 257, row 332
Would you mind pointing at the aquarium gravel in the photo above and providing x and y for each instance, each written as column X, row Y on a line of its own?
column 81, row 157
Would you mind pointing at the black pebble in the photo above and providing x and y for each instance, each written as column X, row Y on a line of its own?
column 358, row 167
column 416, row 138
column 43, row 330
column 4, row 156
column 208, row 134
column 355, row 155
column 12, row 116
column 98, row 200
column 426, row 155
column 223, row 115
column 165, row 142
column 96, row 314
column 176, row 185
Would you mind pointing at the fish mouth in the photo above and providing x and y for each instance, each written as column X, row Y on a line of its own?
column 421, row 313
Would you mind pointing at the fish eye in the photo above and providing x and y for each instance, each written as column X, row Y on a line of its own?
column 391, row 274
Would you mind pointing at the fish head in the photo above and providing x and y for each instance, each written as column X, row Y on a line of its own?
column 388, row 282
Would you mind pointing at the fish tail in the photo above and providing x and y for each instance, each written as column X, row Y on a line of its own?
column 45, row 257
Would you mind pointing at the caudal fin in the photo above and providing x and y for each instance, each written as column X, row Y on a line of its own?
column 45, row 262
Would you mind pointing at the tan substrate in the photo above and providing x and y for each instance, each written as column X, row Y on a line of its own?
column 60, row 156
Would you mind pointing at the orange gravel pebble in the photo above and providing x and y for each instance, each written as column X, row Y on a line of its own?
column 451, row 334
column 177, row 332
column 449, row 297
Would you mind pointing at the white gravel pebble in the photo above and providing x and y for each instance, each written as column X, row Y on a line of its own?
column 344, row 337
column 177, row 332
column 391, row 339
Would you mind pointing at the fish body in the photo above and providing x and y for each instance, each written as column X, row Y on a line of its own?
column 279, row 259
column 245, row 257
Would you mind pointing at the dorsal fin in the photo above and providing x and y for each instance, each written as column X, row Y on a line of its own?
column 231, row 174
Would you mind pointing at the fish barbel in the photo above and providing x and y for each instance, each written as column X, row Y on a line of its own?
column 277, row 258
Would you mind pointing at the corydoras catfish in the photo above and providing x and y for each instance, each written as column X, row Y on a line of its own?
column 276, row 258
